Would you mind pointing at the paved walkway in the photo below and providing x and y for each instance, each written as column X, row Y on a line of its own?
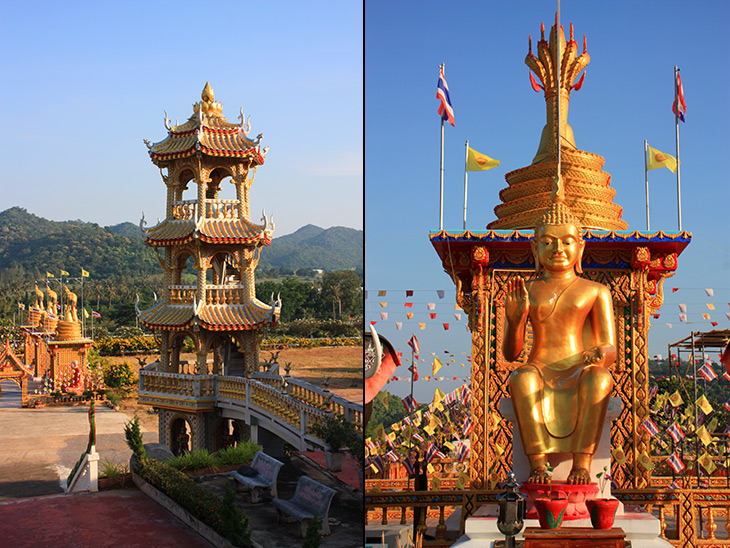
column 119, row 518
column 41, row 446
column 347, row 475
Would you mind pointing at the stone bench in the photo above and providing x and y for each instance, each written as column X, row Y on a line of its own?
column 310, row 499
column 267, row 471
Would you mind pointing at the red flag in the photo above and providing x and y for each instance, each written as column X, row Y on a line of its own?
column 409, row 293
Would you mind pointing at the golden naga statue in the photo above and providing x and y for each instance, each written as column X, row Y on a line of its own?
column 39, row 296
column 561, row 394
column 70, row 306
column 52, row 302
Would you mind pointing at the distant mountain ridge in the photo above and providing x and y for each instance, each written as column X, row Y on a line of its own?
column 335, row 248
column 35, row 244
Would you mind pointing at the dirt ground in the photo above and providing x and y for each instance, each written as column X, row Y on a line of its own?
column 342, row 364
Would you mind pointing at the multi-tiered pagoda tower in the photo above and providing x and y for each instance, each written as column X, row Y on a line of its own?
column 214, row 240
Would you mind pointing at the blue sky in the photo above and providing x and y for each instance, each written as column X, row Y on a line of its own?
column 626, row 98
column 84, row 82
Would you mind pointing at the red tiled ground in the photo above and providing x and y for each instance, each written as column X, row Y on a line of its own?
column 122, row 517
column 348, row 474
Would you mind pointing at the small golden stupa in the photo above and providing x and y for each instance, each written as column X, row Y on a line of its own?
column 588, row 193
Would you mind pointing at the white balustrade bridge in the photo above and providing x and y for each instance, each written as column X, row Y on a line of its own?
column 285, row 406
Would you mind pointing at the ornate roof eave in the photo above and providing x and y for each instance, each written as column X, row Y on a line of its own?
column 217, row 231
column 511, row 248
column 228, row 317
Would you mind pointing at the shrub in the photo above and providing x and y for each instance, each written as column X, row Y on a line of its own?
column 193, row 461
column 119, row 375
column 313, row 538
column 111, row 469
column 221, row 515
column 335, row 431
column 133, row 435
column 240, row 454
column 113, row 397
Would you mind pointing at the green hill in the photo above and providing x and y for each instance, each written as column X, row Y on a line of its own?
column 336, row 248
column 122, row 266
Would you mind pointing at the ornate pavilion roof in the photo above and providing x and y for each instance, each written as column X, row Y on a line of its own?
column 208, row 131
column 219, row 231
column 215, row 317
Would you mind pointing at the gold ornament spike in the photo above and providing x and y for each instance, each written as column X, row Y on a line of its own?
column 544, row 66
column 208, row 96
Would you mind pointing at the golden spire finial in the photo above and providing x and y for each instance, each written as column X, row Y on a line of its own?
column 207, row 94
column 556, row 87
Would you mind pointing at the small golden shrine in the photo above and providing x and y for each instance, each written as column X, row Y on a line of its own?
column 53, row 336
column 216, row 239
column 633, row 264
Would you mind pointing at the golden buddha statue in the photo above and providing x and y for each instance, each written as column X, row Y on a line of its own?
column 561, row 394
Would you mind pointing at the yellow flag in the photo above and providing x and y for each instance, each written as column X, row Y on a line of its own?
column 435, row 483
column 476, row 161
column 645, row 461
column 498, row 449
column 659, row 159
column 436, row 365
column 710, row 306
column 383, row 304
column 379, row 433
column 384, row 401
column 429, row 430
column 675, row 399
column 382, row 292
column 84, row 273
column 704, row 404
column 449, row 445
column 49, row 275
column 64, row 273
column 422, row 325
column 461, row 482
column 704, row 435
column 438, row 395
column 707, row 463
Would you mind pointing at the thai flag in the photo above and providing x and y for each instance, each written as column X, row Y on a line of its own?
column 727, row 405
column 410, row 403
column 413, row 343
column 650, row 427
column 653, row 389
column 680, row 96
column 707, row 372
column 378, row 463
column 675, row 485
column 726, row 376
column 392, row 456
column 675, row 432
column 465, row 395
column 417, row 436
column 442, row 93
column 414, row 370
column 468, row 425
column 439, row 454
column 95, row 314
column 676, row 463
column 463, row 452
column 409, row 465
column 430, row 452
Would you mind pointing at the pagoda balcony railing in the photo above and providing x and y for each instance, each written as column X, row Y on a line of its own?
column 214, row 294
column 212, row 209
column 194, row 392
